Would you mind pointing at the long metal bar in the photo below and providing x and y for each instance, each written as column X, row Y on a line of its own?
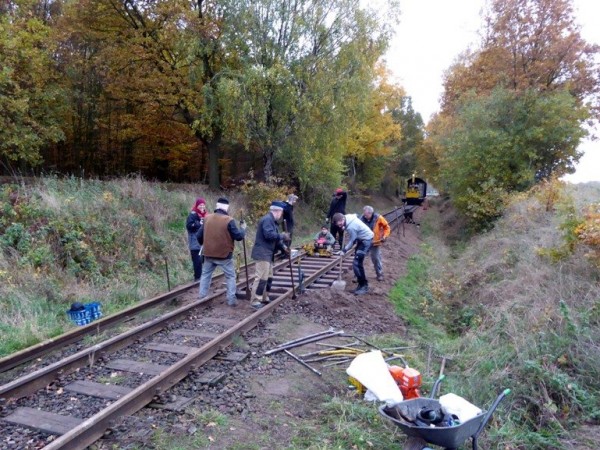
column 308, row 341
column 331, row 330
column 303, row 363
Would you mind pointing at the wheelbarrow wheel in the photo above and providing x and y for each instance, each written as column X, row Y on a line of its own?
column 414, row 443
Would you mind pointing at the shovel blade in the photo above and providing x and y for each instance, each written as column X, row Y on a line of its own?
column 338, row 285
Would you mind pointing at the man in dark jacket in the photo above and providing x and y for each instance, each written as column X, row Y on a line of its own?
column 266, row 242
column 338, row 205
column 288, row 218
column 217, row 237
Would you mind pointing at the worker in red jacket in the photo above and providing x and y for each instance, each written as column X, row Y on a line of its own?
column 381, row 230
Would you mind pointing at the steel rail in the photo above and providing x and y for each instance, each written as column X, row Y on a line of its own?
column 93, row 428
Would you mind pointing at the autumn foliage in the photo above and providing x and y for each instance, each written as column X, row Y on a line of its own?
column 197, row 91
column 588, row 232
column 513, row 110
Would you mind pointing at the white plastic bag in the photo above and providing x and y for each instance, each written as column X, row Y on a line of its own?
column 454, row 404
column 373, row 373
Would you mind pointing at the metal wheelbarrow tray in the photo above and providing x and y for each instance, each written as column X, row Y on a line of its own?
column 450, row 437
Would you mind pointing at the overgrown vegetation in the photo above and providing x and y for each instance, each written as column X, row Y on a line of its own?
column 517, row 307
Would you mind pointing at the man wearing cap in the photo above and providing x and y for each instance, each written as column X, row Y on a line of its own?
column 381, row 230
column 338, row 205
column 217, row 237
column 360, row 233
column 266, row 242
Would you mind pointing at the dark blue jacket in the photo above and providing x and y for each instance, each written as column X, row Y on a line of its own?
column 338, row 205
column 288, row 216
column 193, row 226
column 267, row 238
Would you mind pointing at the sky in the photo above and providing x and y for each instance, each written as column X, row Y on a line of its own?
column 432, row 33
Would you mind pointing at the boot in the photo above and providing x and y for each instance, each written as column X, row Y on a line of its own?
column 362, row 290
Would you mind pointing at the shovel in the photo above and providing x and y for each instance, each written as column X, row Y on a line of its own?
column 339, row 284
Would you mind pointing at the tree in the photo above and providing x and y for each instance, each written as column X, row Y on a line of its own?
column 529, row 44
column 303, row 65
column 413, row 133
column 505, row 142
column 30, row 95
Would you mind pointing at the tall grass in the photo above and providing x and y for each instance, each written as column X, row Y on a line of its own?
column 517, row 313
column 67, row 240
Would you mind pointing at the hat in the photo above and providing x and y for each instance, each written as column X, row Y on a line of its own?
column 196, row 208
column 339, row 191
column 276, row 206
column 223, row 204
column 292, row 198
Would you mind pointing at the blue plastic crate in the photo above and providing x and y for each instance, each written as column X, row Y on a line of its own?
column 91, row 312
column 95, row 310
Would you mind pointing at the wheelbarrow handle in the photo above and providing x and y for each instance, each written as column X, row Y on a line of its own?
column 488, row 415
column 436, row 385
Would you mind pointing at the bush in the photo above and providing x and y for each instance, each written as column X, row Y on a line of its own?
column 260, row 195
column 588, row 232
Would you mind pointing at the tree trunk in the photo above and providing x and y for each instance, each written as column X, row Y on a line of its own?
column 268, row 160
column 213, row 162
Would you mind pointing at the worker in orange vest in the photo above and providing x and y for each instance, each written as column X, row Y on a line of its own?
column 381, row 230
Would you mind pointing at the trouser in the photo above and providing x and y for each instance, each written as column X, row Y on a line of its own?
column 197, row 262
column 337, row 232
column 226, row 265
column 263, row 278
column 362, row 248
column 376, row 259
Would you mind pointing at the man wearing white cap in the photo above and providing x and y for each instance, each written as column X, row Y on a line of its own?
column 217, row 236
column 266, row 241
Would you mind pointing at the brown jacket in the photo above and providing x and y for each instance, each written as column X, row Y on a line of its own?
column 218, row 242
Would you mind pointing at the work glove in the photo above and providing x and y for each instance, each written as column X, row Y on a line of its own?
column 286, row 249
column 285, row 237
column 341, row 253
column 327, row 220
column 243, row 225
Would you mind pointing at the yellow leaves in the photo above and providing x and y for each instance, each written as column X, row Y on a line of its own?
column 588, row 232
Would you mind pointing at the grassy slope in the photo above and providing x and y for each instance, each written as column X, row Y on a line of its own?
column 515, row 310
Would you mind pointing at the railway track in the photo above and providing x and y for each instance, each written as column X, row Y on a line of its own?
column 149, row 359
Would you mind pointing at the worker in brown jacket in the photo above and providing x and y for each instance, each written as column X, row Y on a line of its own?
column 381, row 230
column 217, row 237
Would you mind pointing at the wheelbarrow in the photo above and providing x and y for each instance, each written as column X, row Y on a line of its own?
column 451, row 437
